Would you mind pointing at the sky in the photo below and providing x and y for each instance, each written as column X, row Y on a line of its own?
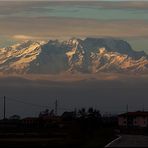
column 21, row 21
column 62, row 20
column 108, row 96
column 74, row 0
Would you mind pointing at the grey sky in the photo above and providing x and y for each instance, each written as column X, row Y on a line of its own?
column 110, row 96
column 75, row 0
column 37, row 20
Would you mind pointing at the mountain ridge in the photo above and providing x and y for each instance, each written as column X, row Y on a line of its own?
column 90, row 55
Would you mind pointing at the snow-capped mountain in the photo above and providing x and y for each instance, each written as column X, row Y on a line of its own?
column 91, row 55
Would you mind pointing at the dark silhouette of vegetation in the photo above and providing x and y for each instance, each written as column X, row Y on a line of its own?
column 83, row 128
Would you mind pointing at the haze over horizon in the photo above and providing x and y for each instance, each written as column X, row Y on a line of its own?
column 29, row 97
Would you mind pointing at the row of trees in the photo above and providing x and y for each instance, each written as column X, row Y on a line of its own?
column 81, row 113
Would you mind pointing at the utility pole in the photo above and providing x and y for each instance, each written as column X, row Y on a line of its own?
column 56, row 107
column 4, row 107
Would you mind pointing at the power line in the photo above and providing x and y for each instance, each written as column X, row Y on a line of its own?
column 33, row 104
column 38, row 105
column 27, row 103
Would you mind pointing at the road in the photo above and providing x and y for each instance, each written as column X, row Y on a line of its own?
column 129, row 141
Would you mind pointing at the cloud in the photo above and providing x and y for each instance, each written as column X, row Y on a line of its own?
column 23, row 37
column 42, row 27
column 57, row 27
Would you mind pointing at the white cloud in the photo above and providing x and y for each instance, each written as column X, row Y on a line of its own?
column 23, row 37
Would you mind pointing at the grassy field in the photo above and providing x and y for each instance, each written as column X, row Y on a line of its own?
column 65, row 138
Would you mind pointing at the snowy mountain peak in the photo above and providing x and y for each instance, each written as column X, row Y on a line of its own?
column 91, row 55
column 102, row 50
column 73, row 42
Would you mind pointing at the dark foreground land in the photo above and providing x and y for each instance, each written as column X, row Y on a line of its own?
column 65, row 131
column 99, row 139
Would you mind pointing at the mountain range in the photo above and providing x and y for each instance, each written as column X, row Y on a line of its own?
column 90, row 55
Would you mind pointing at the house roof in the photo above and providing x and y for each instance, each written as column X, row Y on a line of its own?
column 30, row 118
column 137, row 113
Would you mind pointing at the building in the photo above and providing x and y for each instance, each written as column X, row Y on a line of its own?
column 137, row 119
column 31, row 122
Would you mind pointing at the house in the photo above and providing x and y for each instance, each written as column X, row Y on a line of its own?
column 30, row 122
column 15, row 117
column 137, row 119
